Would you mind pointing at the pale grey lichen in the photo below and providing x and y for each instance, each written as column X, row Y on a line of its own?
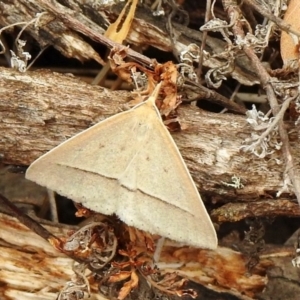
column 188, row 57
column 236, row 182
column 264, row 139
column 287, row 186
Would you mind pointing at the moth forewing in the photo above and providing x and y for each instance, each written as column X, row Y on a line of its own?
column 129, row 165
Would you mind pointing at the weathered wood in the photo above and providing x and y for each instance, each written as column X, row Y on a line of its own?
column 61, row 26
column 30, row 268
column 39, row 110
column 233, row 212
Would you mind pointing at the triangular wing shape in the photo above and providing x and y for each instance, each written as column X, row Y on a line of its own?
column 129, row 165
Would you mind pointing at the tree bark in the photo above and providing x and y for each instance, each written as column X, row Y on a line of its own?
column 62, row 25
column 32, row 269
column 26, row 259
column 41, row 109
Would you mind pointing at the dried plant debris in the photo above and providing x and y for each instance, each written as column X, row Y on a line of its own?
column 95, row 241
column 263, row 144
column 253, row 242
column 119, row 273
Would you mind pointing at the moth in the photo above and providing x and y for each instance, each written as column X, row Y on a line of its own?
column 129, row 165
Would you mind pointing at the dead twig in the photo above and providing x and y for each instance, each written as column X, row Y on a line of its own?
column 201, row 56
column 269, row 15
column 237, row 29
column 39, row 229
column 27, row 221
column 76, row 25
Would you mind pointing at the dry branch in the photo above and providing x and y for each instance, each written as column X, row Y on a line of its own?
column 63, row 24
column 30, row 268
column 27, row 259
column 39, row 110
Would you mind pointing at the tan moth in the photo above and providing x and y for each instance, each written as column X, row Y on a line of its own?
column 130, row 166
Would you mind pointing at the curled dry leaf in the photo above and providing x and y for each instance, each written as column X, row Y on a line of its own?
column 166, row 73
column 140, row 239
column 118, row 30
column 125, row 69
column 94, row 242
column 288, row 43
column 122, row 275
column 169, row 76
column 128, row 286
column 118, row 65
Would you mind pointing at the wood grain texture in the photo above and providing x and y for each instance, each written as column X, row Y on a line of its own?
column 39, row 110
column 30, row 267
column 90, row 19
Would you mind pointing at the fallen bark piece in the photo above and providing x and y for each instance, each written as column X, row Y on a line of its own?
column 30, row 268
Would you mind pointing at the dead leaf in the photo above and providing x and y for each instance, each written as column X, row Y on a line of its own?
column 128, row 286
column 141, row 239
column 289, row 44
column 169, row 76
column 117, row 31
column 122, row 275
